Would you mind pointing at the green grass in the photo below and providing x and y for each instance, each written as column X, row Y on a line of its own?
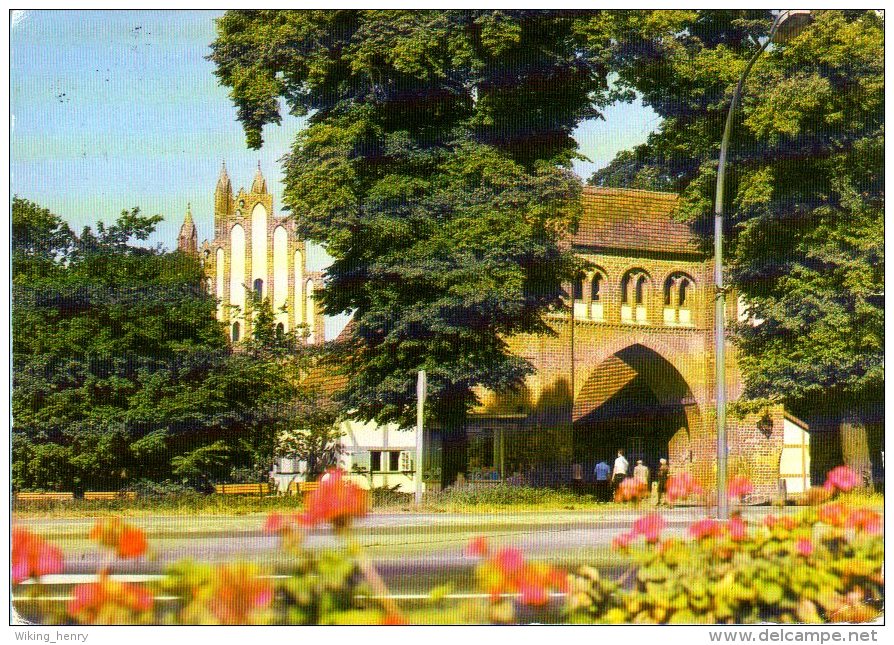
column 499, row 498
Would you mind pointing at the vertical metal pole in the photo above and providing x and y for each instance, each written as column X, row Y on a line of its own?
column 720, row 294
column 421, row 388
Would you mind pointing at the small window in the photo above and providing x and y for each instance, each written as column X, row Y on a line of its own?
column 235, row 333
column 259, row 288
column 684, row 288
column 384, row 461
column 640, row 286
column 595, row 283
column 280, row 330
column 577, row 289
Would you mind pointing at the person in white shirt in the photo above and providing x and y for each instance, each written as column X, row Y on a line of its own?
column 619, row 473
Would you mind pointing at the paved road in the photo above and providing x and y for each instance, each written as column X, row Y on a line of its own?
column 400, row 541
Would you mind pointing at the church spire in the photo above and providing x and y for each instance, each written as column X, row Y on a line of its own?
column 188, row 240
column 223, row 196
column 259, row 185
column 223, row 181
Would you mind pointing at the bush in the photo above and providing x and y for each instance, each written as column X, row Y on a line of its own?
column 506, row 495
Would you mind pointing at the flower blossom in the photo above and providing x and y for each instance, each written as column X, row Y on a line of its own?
column 477, row 547
column 631, row 489
column 32, row 556
column 336, row 501
column 833, row 514
column 785, row 522
column 649, row 526
column 108, row 602
column 804, row 547
column 736, row 528
column 706, row 528
column 739, row 487
column 506, row 571
column 865, row 520
column 841, row 478
column 682, row 486
column 125, row 540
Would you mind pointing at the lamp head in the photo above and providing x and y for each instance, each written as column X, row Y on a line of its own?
column 791, row 22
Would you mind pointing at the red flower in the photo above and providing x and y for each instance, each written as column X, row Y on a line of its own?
column 804, row 546
column 32, row 556
column 736, row 528
column 649, row 526
column 631, row 489
column 477, row 547
column 739, row 487
column 393, row 619
column 841, row 478
column 787, row 523
column 335, row 501
column 623, row 541
column 509, row 561
column 109, row 602
column 682, row 486
column 125, row 540
column 864, row 519
column 833, row 514
column 706, row 528
column 507, row 572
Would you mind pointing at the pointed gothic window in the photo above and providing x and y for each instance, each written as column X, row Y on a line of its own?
column 235, row 332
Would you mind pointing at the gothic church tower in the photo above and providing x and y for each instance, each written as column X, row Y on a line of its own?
column 253, row 248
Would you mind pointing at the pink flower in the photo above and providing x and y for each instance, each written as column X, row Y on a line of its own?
column 32, row 556
column 533, row 594
column 682, row 486
column 864, row 519
column 706, row 528
column 507, row 572
column 509, row 561
column 736, row 528
column 841, row 478
column 335, row 501
column 477, row 547
column 804, row 546
column 622, row 541
column 739, row 487
column 107, row 601
column 649, row 526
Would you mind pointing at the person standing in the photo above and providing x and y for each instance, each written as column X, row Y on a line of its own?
column 661, row 478
column 641, row 473
column 602, row 471
column 619, row 472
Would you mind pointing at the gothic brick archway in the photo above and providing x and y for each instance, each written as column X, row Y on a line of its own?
column 636, row 400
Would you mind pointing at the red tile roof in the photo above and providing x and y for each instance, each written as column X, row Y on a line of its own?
column 633, row 220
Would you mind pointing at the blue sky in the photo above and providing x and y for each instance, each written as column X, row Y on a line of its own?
column 114, row 109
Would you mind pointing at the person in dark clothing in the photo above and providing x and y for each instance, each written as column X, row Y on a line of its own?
column 661, row 478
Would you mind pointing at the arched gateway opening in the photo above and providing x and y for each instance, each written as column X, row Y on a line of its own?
column 635, row 400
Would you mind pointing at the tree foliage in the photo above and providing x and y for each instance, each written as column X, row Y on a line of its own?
column 805, row 182
column 435, row 170
column 120, row 369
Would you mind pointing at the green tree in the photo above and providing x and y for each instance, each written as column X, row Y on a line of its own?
column 806, row 180
column 435, row 170
column 120, row 369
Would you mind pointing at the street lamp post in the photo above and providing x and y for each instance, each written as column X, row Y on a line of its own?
column 786, row 25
